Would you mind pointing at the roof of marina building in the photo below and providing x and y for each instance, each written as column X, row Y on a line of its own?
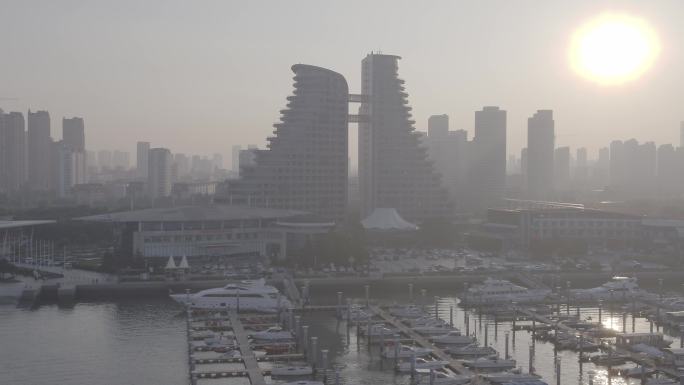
column 26, row 223
column 196, row 213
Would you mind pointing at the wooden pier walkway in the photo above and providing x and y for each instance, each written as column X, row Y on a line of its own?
column 454, row 365
column 255, row 374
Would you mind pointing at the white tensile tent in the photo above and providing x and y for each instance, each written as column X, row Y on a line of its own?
column 387, row 219
column 170, row 264
column 184, row 263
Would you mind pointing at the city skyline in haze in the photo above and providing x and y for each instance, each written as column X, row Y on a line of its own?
column 201, row 78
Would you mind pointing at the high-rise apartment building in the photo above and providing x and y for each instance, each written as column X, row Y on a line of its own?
column 182, row 166
column 159, row 178
column 217, row 161
column 121, row 160
column 600, row 173
column 142, row 154
column 394, row 169
column 235, row 158
column 633, row 167
column 561, row 168
column 68, row 167
column 617, row 166
column 438, row 126
column 73, row 133
column 581, row 166
column 669, row 169
column 12, row 151
column 104, row 160
column 540, row 152
column 72, row 155
column 449, row 153
column 39, row 151
column 488, row 158
column 305, row 166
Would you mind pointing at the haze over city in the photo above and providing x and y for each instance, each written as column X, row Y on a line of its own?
column 199, row 79
column 341, row 192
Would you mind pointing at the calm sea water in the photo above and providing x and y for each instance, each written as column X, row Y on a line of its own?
column 144, row 342
column 124, row 342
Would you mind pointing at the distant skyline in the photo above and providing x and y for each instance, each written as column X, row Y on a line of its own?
column 201, row 77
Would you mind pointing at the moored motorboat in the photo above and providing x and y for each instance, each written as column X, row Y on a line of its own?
column 617, row 289
column 471, row 351
column 407, row 311
column 433, row 330
column 490, row 363
column 454, row 337
column 303, row 370
column 405, row 351
column 379, row 330
column 272, row 334
column 252, row 295
column 441, row 378
column 499, row 291
column 420, row 363
column 304, row 383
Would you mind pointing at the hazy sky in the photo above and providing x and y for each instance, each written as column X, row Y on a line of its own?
column 200, row 76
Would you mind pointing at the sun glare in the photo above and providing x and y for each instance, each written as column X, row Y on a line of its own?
column 613, row 48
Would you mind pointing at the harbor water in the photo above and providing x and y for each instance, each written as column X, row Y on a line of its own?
column 144, row 342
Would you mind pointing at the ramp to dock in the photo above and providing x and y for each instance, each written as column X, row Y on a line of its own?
column 455, row 365
column 292, row 291
column 255, row 374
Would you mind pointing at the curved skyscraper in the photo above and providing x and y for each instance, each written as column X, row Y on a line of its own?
column 305, row 166
column 394, row 171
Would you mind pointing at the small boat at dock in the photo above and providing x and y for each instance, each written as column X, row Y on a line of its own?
column 303, row 370
column 454, row 337
column 405, row 351
column 471, row 351
column 420, row 363
column 490, row 363
column 272, row 334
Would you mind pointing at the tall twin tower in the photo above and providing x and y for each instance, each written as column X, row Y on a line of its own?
column 305, row 165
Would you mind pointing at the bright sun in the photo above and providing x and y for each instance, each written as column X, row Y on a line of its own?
column 613, row 48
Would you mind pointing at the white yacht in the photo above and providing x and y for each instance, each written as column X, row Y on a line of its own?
column 488, row 363
column 424, row 321
column 618, row 288
column 356, row 314
column 499, row 291
column 421, row 363
column 274, row 333
column 407, row 311
column 441, row 378
column 406, row 352
column 454, row 337
column 292, row 370
column 471, row 351
column 380, row 330
column 433, row 330
column 252, row 295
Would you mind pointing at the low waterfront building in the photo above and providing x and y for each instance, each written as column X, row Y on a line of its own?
column 212, row 231
column 525, row 227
